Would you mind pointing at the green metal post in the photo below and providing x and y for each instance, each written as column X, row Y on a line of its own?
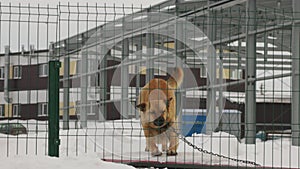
column 53, row 108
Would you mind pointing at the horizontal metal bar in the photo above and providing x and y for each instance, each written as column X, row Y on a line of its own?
column 29, row 14
column 260, row 68
column 212, row 6
column 267, row 67
column 83, row 20
column 26, row 7
column 190, row 65
column 116, row 100
column 21, row 21
column 258, row 31
column 132, row 62
column 98, row 6
column 238, row 82
column 94, row 13
column 243, row 61
column 273, row 124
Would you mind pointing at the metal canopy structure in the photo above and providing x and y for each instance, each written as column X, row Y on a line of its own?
column 272, row 31
column 274, row 20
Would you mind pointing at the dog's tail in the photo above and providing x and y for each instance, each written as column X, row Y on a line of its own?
column 176, row 78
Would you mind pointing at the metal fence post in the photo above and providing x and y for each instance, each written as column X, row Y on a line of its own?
column 211, row 78
column 179, row 46
column 104, row 88
column 7, row 98
column 84, row 84
column 150, row 42
column 139, row 48
column 296, row 75
column 53, row 108
column 250, row 86
column 124, row 80
column 66, row 86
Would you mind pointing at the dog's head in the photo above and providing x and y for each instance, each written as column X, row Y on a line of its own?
column 155, row 110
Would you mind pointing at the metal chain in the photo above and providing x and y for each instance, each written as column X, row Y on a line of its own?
column 181, row 137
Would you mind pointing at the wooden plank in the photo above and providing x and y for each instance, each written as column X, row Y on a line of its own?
column 179, row 164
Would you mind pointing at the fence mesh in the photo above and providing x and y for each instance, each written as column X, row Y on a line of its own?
column 235, row 96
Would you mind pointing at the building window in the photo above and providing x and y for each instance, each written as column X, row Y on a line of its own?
column 90, row 108
column 161, row 70
column 132, row 69
column 92, row 79
column 43, row 70
column 115, row 92
column 78, row 66
column 77, row 108
column 42, row 109
column 236, row 74
column 2, row 75
column 16, row 110
column 17, row 72
column 2, row 114
column 203, row 71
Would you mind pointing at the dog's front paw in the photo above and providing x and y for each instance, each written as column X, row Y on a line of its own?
column 156, row 153
column 171, row 153
column 147, row 149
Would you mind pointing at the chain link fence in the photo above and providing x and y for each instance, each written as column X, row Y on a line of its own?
column 230, row 70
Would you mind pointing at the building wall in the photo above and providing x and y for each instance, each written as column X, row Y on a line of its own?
column 31, row 89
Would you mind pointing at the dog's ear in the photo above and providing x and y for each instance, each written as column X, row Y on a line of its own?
column 168, row 101
column 141, row 106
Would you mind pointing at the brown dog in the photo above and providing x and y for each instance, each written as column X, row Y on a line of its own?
column 157, row 104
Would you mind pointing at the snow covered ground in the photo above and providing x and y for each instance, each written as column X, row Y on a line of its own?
column 44, row 162
column 30, row 151
column 123, row 140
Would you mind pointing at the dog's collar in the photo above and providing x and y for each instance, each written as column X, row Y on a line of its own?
column 164, row 127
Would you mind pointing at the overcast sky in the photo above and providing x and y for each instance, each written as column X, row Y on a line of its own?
column 18, row 30
column 145, row 3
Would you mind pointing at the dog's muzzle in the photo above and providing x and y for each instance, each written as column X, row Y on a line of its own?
column 159, row 121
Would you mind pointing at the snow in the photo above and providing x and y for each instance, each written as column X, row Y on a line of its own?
column 30, row 151
column 124, row 140
column 32, row 162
